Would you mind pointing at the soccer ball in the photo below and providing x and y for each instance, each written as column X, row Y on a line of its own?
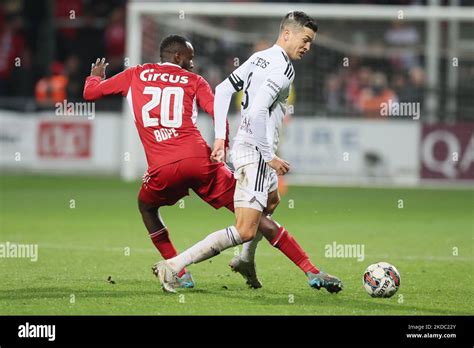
column 381, row 280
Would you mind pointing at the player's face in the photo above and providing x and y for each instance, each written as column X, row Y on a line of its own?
column 299, row 42
column 186, row 57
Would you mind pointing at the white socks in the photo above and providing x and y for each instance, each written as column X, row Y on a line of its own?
column 210, row 246
column 249, row 248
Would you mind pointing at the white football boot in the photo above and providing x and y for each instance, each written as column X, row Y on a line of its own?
column 247, row 270
column 168, row 278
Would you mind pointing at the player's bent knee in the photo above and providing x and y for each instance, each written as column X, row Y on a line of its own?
column 247, row 221
column 246, row 231
column 145, row 208
column 246, row 234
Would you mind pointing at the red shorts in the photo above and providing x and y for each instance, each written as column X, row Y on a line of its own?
column 213, row 182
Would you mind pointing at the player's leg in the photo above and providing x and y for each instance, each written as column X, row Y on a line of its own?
column 247, row 220
column 288, row 245
column 245, row 262
column 249, row 205
column 267, row 227
column 160, row 238
column 151, row 216
column 157, row 230
column 220, row 194
column 281, row 239
column 149, row 201
column 216, row 186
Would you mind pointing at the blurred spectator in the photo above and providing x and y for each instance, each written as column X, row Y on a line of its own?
column 334, row 96
column 410, row 89
column 89, row 44
column 261, row 45
column 52, row 89
column 75, row 78
column 371, row 98
column 406, row 38
column 82, row 30
column 416, row 86
column 67, row 13
column 12, row 45
column 356, row 82
column 150, row 39
column 114, row 40
column 399, row 84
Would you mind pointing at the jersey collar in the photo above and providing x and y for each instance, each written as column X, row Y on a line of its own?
column 283, row 52
column 171, row 64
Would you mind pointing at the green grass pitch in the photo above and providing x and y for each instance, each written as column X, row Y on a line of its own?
column 429, row 240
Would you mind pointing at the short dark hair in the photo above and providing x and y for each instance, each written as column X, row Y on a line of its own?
column 300, row 19
column 172, row 44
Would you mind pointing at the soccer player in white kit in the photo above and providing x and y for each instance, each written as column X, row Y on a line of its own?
column 265, row 79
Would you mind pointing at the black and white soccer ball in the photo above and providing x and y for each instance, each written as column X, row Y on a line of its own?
column 381, row 280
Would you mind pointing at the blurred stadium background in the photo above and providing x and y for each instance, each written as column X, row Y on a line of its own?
column 63, row 162
column 367, row 52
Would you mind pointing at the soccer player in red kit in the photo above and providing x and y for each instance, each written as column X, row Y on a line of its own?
column 164, row 98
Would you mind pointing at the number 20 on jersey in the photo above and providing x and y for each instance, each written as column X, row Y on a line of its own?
column 162, row 97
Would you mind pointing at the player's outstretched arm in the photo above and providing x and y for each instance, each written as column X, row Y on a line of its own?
column 96, row 86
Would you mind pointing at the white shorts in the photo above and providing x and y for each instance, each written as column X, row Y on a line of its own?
column 254, row 181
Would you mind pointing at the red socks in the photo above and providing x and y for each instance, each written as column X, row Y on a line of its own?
column 164, row 245
column 290, row 247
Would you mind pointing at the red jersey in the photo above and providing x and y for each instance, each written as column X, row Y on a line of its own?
column 163, row 98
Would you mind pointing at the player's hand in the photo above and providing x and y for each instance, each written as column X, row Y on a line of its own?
column 281, row 166
column 98, row 68
column 218, row 153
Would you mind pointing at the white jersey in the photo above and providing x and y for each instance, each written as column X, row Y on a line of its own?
column 265, row 79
